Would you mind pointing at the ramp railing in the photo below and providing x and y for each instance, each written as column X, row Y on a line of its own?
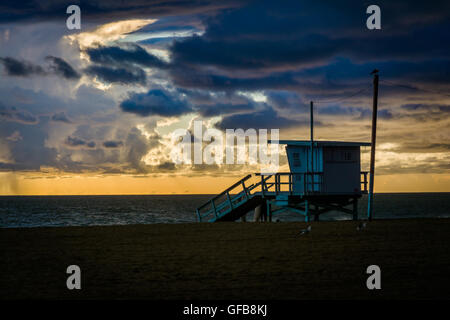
column 266, row 185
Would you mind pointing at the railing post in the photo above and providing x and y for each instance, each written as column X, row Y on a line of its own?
column 276, row 183
column 262, row 185
column 306, row 211
column 365, row 181
column 214, row 207
column 290, row 183
column 245, row 190
column 229, row 200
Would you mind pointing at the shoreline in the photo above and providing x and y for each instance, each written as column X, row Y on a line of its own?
column 229, row 260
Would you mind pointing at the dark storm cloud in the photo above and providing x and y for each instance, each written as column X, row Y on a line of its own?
column 15, row 115
column 222, row 109
column 155, row 102
column 428, row 165
column 104, row 10
column 31, row 151
column 422, row 147
column 197, row 78
column 286, row 100
column 75, row 142
column 112, row 144
column 427, row 107
column 358, row 112
column 62, row 68
column 132, row 54
column 167, row 166
column 60, row 117
column 268, row 35
column 426, row 112
column 270, row 45
column 121, row 64
column 265, row 119
column 126, row 75
column 20, row 68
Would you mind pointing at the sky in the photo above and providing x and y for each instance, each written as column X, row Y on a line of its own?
column 93, row 111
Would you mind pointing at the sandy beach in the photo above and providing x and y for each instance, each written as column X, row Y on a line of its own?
column 229, row 261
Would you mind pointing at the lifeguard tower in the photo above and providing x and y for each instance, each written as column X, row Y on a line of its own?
column 324, row 176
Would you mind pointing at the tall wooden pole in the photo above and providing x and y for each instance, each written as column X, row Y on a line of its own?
column 312, row 142
column 373, row 143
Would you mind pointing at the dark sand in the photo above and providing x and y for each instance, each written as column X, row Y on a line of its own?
column 229, row 261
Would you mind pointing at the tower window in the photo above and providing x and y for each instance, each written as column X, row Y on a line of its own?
column 347, row 156
column 296, row 158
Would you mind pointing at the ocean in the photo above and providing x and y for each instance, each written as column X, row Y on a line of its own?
column 57, row 211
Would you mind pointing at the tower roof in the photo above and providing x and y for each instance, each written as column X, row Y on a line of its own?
column 322, row 143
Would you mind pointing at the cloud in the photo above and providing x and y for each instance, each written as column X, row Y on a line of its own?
column 427, row 107
column 29, row 152
column 75, row 142
column 60, row 117
column 126, row 75
column 131, row 54
column 112, row 144
column 60, row 67
column 104, row 10
column 222, row 109
column 15, row 115
column 358, row 112
column 155, row 102
column 15, row 136
column 20, row 68
column 265, row 119
column 265, row 35
column 108, row 32
column 137, row 146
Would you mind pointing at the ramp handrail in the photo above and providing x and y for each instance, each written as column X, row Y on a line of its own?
column 312, row 182
column 217, row 208
column 268, row 185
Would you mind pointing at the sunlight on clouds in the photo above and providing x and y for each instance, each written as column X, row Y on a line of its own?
column 107, row 33
column 142, row 36
column 162, row 54
column 257, row 96
column 388, row 146
column 166, row 122
column 100, row 85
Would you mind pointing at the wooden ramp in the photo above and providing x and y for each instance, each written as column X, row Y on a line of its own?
column 232, row 203
column 278, row 190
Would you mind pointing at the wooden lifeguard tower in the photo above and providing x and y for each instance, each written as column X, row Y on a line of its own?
column 324, row 176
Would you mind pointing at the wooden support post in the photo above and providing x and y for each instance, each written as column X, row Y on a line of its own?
column 312, row 145
column 257, row 214
column 373, row 144
column 245, row 190
column 214, row 207
column 355, row 209
column 316, row 213
column 262, row 185
column 306, row 211
column 264, row 211
column 229, row 201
